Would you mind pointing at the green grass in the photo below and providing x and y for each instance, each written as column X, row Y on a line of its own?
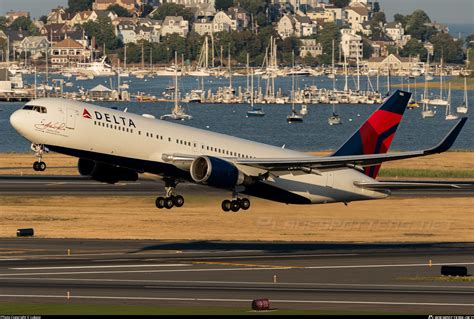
column 413, row 172
column 101, row 309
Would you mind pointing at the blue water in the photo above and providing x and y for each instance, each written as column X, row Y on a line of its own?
column 464, row 29
column 311, row 135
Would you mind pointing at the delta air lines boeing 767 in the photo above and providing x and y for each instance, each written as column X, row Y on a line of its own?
column 115, row 146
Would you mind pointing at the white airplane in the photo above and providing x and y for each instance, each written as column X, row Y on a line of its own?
column 116, row 146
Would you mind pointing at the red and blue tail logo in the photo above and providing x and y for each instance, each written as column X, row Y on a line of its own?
column 376, row 134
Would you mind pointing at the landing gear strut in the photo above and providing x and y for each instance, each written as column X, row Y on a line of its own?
column 170, row 200
column 39, row 150
column 235, row 205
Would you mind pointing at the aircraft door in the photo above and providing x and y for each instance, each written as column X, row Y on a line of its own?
column 70, row 119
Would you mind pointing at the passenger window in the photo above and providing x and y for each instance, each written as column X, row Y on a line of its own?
column 28, row 107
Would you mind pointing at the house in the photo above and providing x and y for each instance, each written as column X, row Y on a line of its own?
column 351, row 44
column 286, row 26
column 57, row 16
column 34, row 45
column 13, row 15
column 175, row 24
column 68, row 52
column 297, row 25
column 321, row 15
column 15, row 38
column 106, row 15
column 149, row 34
column 393, row 62
column 203, row 25
column 356, row 16
column 223, row 22
column 130, row 5
column 310, row 47
column 55, row 31
column 380, row 48
column 240, row 15
column 394, row 30
column 83, row 17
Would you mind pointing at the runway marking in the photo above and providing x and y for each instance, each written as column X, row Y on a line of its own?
column 235, row 269
column 108, row 266
column 244, row 283
column 400, row 303
column 241, row 265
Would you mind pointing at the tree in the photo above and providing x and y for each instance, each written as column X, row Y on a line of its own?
column 376, row 25
column 104, row 33
column 470, row 41
column 223, row 4
column 413, row 48
column 23, row 24
column 146, row 10
column 366, row 48
column 79, row 5
column 172, row 9
column 340, row 3
column 3, row 23
column 119, row 10
column 400, row 18
column 415, row 26
column 43, row 19
column 376, row 7
column 329, row 32
column 447, row 48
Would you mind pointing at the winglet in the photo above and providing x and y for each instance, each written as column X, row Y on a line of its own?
column 448, row 141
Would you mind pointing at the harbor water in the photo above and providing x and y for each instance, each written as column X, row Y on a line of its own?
column 314, row 134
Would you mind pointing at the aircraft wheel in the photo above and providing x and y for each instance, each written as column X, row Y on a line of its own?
column 178, row 200
column 35, row 166
column 169, row 203
column 244, row 203
column 235, row 205
column 41, row 166
column 226, row 205
column 160, row 202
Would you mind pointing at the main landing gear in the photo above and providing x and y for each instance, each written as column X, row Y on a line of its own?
column 236, row 204
column 39, row 150
column 170, row 200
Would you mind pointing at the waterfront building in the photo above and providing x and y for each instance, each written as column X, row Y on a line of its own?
column 310, row 47
column 351, row 44
column 68, row 52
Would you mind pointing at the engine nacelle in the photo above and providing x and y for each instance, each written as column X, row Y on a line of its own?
column 216, row 172
column 105, row 173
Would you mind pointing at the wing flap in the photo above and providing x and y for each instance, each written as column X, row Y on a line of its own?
column 403, row 185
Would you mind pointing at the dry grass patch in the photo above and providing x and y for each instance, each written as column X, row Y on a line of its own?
column 390, row 220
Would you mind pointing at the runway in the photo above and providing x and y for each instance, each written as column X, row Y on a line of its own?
column 77, row 185
column 334, row 277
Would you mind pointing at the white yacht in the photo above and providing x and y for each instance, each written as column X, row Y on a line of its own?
column 449, row 115
column 96, row 68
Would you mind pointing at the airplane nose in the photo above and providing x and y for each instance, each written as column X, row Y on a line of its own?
column 15, row 119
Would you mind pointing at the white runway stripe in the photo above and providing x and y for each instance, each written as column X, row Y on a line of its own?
column 401, row 303
column 99, row 267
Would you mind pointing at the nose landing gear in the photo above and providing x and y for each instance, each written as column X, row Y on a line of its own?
column 39, row 150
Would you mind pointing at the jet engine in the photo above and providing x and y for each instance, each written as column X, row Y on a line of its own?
column 216, row 172
column 104, row 172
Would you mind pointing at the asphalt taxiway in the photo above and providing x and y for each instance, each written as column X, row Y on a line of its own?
column 77, row 185
column 339, row 276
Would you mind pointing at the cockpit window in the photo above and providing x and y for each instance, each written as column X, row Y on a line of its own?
column 39, row 109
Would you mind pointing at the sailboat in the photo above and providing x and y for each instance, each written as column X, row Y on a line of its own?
column 334, row 119
column 463, row 107
column 428, row 76
column 294, row 116
column 253, row 111
column 178, row 112
column 412, row 103
column 426, row 111
column 449, row 115
column 440, row 101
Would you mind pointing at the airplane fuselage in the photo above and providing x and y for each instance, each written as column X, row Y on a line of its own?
column 142, row 143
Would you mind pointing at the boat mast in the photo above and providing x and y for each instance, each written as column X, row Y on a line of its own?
column 358, row 75
column 125, row 57
column 293, row 83
column 251, row 93
column 176, row 81
column 333, row 70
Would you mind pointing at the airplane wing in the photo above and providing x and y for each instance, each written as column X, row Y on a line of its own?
column 404, row 185
column 313, row 164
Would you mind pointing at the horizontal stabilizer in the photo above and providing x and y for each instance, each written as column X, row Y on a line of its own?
column 403, row 185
